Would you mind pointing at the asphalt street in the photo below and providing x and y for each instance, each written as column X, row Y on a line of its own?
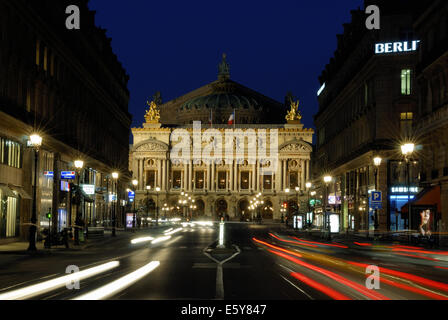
column 254, row 262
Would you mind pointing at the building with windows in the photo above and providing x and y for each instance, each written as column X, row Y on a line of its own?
column 367, row 107
column 431, row 120
column 68, row 86
column 202, row 187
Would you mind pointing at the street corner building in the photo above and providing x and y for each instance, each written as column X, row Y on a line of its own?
column 68, row 87
column 383, row 92
column 220, row 188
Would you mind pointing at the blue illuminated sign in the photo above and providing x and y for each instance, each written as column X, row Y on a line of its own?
column 68, row 175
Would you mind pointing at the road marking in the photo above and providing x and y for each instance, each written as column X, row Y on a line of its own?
column 219, row 273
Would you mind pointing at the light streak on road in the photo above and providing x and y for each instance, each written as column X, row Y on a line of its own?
column 338, row 278
column 363, row 244
column 427, row 293
column 142, row 239
column 173, row 231
column 290, row 241
column 320, row 287
column 416, row 256
column 408, row 276
column 120, row 284
column 47, row 286
column 277, row 248
column 160, row 239
column 323, row 244
column 168, row 230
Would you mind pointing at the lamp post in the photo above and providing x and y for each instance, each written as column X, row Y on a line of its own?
column 312, row 193
column 147, row 207
column 79, row 164
column 134, row 183
column 407, row 149
column 157, row 205
column 35, row 143
column 327, row 180
column 308, row 186
column 114, row 217
column 377, row 162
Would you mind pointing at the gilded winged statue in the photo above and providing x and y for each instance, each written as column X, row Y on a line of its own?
column 294, row 113
column 153, row 114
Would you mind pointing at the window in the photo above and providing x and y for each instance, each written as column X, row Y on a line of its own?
column 45, row 58
column 11, row 153
column 222, row 180
column 406, row 81
column 151, row 178
column 244, row 180
column 177, row 179
column 199, row 180
column 267, row 182
column 293, row 180
column 406, row 123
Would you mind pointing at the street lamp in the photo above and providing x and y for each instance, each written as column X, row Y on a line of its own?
column 327, row 180
column 407, row 149
column 35, row 142
column 308, row 186
column 134, row 183
column 147, row 207
column 157, row 212
column 377, row 162
column 79, row 164
column 114, row 218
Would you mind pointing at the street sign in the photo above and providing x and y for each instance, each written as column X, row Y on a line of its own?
column 89, row 189
column 376, row 196
column 68, row 175
column 131, row 194
column 48, row 174
column 376, row 200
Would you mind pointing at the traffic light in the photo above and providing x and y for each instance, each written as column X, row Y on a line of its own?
column 49, row 215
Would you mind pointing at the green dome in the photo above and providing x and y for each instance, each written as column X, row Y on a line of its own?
column 221, row 100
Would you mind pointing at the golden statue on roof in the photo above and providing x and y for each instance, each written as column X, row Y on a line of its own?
column 293, row 115
column 153, row 114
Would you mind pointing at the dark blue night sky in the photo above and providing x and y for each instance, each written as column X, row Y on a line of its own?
column 175, row 46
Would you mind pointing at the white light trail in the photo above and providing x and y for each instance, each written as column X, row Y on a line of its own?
column 160, row 239
column 120, row 284
column 173, row 231
column 166, row 231
column 143, row 239
column 41, row 288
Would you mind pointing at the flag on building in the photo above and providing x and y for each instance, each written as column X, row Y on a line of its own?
column 232, row 118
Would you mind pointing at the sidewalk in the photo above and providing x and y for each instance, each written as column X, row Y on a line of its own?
column 22, row 246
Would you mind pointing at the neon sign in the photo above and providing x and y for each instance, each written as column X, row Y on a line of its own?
column 395, row 47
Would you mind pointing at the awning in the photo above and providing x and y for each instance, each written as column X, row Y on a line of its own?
column 23, row 194
column 427, row 197
column 77, row 191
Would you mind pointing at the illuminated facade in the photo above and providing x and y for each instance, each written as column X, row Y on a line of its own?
column 219, row 189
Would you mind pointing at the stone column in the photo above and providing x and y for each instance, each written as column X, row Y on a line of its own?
column 303, row 175
column 257, row 176
column 190, row 175
column 159, row 173
column 308, row 178
column 140, row 174
column 185, row 177
column 163, row 173
column 231, row 175
column 213, row 176
column 168, row 174
column 207, row 185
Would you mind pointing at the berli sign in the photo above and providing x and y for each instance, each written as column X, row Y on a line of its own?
column 396, row 47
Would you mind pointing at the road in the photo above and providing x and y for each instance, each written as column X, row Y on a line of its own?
column 261, row 262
